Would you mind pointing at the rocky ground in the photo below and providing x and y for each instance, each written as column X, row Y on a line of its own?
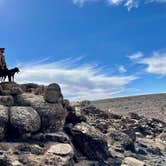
column 39, row 128
column 150, row 106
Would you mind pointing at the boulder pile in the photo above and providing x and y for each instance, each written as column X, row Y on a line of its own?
column 39, row 127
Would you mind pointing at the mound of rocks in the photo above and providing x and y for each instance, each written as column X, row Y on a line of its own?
column 38, row 127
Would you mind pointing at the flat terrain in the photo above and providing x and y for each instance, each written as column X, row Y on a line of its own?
column 151, row 106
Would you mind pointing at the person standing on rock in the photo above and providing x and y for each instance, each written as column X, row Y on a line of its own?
column 3, row 65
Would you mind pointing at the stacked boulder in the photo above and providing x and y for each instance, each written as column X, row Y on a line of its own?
column 23, row 113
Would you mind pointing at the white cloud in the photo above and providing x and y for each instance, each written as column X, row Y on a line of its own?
column 82, row 2
column 129, row 4
column 156, row 64
column 126, row 3
column 122, row 69
column 136, row 56
column 77, row 81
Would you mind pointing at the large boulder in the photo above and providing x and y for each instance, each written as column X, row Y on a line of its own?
column 30, row 99
column 53, row 94
column 3, row 120
column 24, row 120
column 52, row 117
column 89, row 141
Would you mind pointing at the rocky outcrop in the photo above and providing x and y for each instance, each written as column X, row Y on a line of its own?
column 28, row 112
column 38, row 127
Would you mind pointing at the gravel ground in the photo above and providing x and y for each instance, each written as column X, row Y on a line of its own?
column 150, row 106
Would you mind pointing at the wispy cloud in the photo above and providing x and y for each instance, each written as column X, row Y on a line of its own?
column 82, row 2
column 78, row 82
column 122, row 69
column 156, row 64
column 136, row 56
column 129, row 4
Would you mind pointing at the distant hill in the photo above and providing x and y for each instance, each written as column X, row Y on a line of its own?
column 151, row 106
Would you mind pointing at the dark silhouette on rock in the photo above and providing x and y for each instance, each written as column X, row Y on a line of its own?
column 4, row 71
column 11, row 73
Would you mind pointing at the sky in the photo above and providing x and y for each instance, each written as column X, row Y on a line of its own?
column 94, row 49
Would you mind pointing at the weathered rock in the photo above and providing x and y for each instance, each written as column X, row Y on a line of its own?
column 4, row 159
column 67, row 106
column 154, row 150
column 10, row 88
column 3, row 121
column 162, row 138
column 121, row 139
column 56, row 137
column 16, row 91
column 61, row 149
column 30, row 87
column 73, row 118
column 33, row 149
column 6, row 100
column 52, row 117
column 16, row 163
column 59, row 155
column 130, row 161
column 89, row 141
column 30, row 99
column 56, row 160
column 53, row 94
column 40, row 90
column 24, row 120
column 131, row 133
column 134, row 116
column 8, row 85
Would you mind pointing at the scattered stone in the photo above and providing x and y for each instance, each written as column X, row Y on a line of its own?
column 34, row 149
column 16, row 163
column 130, row 161
column 121, row 139
column 4, row 160
column 61, row 149
column 162, row 138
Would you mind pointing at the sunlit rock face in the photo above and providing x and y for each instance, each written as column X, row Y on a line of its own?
column 39, row 127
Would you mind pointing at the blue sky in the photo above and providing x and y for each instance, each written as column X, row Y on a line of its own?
column 93, row 48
